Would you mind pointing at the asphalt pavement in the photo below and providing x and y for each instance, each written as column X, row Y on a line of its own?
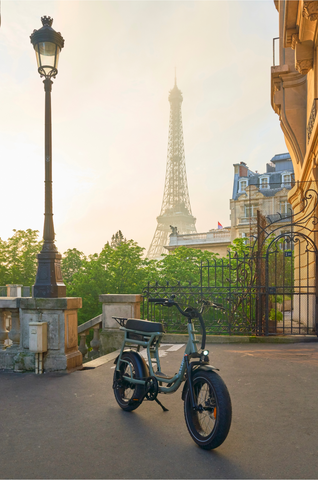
column 70, row 426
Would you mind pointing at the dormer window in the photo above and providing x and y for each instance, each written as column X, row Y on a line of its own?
column 264, row 182
column 286, row 180
column 242, row 186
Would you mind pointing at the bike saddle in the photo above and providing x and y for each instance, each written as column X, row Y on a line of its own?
column 144, row 325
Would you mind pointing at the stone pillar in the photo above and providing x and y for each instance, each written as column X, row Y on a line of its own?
column 61, row 317
column 3, row 330
column 14, row 334
column 127, row 306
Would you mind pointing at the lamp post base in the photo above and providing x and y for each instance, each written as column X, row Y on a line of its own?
column 49, row 282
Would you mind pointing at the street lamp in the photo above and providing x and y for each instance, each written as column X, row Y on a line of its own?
column 49, row 283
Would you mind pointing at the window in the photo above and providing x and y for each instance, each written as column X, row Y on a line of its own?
column 264, row 182
column 243, row 235
column 285, row 208
column 250, row 211
column 286, row 181
column 242, row 186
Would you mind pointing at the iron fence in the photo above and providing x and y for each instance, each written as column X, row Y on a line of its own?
column 270, row 288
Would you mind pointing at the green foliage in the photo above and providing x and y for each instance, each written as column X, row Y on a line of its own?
column 18, row 261
column 119, row 268
column 239, row 247
column 275, row 315
column 117, row 239
column 183, row 265
column 72, row 263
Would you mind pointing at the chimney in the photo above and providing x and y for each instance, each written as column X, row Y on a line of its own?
column 243, row 170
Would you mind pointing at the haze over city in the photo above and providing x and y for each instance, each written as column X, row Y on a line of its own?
column 111, row 112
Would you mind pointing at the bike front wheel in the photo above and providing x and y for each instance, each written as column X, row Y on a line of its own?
column 210, row 424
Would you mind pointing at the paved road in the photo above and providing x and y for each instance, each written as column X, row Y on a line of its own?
column 69, row 426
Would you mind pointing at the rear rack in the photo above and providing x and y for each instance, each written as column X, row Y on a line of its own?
column 121, row 320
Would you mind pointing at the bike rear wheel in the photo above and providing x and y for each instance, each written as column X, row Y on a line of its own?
column 209, row 425
column 128, row 394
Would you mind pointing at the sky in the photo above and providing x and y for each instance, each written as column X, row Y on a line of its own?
column 110, row 112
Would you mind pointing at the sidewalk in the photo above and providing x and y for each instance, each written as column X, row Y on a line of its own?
column 70, row 426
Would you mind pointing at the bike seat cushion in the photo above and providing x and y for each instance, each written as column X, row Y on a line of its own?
column 144, row 325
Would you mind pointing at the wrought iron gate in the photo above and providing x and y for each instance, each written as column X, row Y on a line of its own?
column 269, row 288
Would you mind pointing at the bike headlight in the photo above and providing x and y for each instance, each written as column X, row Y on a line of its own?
column 205, row 352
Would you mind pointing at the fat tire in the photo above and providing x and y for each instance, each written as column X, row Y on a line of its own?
column 220, row 396
column 137, row 392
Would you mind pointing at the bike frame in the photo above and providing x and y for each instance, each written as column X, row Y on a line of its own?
column 151, row 341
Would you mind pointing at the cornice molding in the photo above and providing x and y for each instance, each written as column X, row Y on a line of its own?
column 310, row 11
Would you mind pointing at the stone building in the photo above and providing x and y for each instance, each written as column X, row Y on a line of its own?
column 216, row 241
column 294, row 92
column 266, row 192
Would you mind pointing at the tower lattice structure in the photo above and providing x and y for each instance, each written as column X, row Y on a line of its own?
column 176, row 208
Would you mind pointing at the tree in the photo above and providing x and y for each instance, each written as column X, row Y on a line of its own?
column 183, row 265
column 72, row 262
column 18, row 257
column 117, row 239
column 119, row 268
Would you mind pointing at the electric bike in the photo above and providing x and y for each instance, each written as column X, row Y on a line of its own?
column 207, row 403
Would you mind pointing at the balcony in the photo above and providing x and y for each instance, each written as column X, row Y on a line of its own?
column 222, row 236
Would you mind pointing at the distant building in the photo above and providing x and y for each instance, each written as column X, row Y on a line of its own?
column 266, row 192
column 217, row 241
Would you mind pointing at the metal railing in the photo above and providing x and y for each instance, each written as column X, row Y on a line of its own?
column 274, row 52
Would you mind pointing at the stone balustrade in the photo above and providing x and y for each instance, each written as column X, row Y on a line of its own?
column 107, row 335
column 60, row 314
column 83, row 331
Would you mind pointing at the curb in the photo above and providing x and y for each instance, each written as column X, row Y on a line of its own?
column 179, row 338
column 97, row 362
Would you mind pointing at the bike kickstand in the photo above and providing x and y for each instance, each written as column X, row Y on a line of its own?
column 159, row 403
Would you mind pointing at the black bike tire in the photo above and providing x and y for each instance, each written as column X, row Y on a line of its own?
column 139, row 389
column 224, row 411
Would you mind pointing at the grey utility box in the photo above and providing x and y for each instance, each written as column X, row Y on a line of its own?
column 38, row 337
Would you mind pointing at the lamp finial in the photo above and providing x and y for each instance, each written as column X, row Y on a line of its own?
column 46, row 21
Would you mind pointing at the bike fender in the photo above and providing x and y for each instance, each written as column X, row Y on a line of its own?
column 201, row 367
column 140, row 360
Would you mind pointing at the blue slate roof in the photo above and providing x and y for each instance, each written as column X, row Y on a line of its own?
column 280, row 165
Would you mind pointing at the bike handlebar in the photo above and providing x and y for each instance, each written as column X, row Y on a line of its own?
column 191, row 313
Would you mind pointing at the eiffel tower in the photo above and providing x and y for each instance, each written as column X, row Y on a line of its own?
column 176, row 208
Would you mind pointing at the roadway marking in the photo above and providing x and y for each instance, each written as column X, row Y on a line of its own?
column 176, row 347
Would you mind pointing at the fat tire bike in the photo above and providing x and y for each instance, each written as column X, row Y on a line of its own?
column 207, row 403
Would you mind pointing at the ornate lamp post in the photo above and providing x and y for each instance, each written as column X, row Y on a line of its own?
column 47, row 44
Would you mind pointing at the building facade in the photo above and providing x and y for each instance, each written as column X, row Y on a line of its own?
column 216, row 241
column 266, row 192
column 294, row 95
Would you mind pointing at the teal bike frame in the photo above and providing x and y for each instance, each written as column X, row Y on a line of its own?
column 151, row 341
